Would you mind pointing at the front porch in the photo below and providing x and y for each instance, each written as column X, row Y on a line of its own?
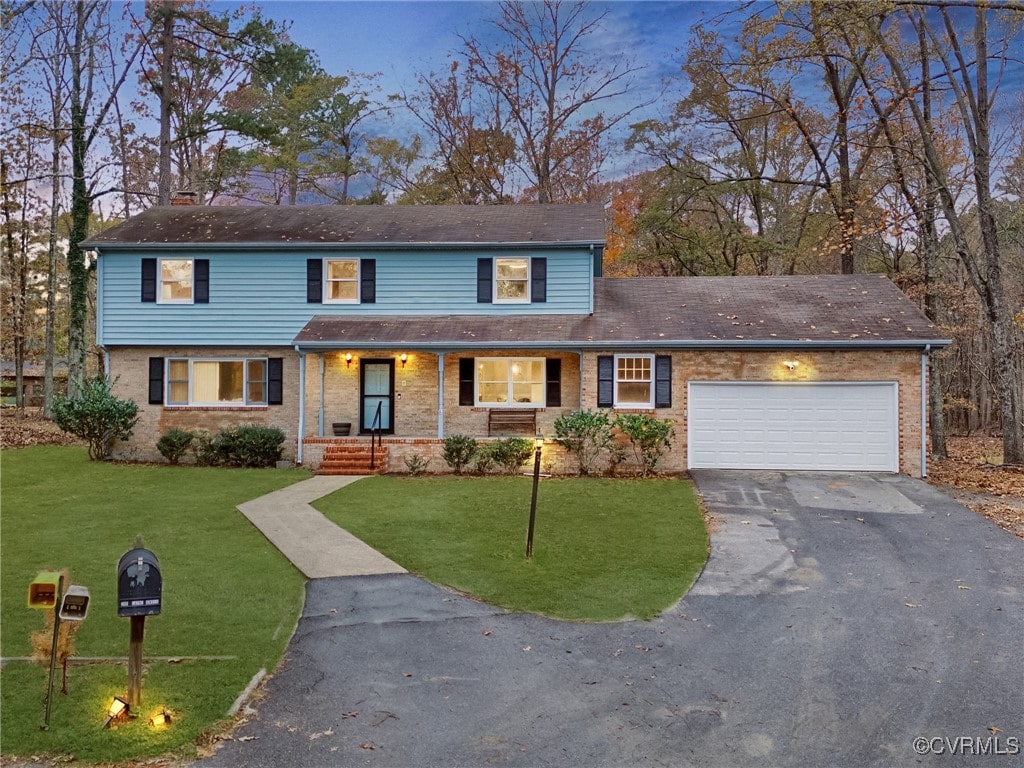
column 414, row 399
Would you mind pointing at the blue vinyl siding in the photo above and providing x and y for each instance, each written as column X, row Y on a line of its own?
column 260, row 297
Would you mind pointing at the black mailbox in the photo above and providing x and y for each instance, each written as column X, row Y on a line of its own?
column 139, row 584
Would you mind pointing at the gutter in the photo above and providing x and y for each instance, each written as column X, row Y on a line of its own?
column 632, row 344
column 299, row 245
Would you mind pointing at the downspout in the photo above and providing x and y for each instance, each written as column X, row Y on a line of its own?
column 440, row 395
column 924, row 410
column 321, row 412
column 302, row 404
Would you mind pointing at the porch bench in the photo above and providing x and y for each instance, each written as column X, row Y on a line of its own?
column 512, row 421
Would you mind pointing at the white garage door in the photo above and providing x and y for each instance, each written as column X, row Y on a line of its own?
column 762, row 425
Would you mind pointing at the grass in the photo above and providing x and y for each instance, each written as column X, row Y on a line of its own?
column 604, row 549
column 227, row 592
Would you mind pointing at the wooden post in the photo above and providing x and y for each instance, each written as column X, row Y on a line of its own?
column 138, row 629
column 53, row 649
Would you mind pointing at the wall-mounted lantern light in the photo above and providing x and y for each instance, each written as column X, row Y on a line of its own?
column 404, row 358
column 348, row 359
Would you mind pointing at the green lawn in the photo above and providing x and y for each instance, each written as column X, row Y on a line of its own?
column 604, row 549
column 227, row 592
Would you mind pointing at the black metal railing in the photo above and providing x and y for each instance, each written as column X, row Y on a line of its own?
column 375, row 438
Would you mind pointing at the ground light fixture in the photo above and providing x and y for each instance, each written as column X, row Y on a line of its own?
column 118, row 708
column 160, row 718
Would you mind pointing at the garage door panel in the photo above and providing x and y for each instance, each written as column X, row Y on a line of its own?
column 764, row 425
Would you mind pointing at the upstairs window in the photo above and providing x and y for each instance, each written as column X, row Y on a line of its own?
column 512, row 281
column 341, row 281
column 176, row 281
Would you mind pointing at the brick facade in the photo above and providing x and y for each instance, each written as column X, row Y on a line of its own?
column 416, row 401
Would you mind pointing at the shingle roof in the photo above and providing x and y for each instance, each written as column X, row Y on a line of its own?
column 352, row 224
column 827, row 310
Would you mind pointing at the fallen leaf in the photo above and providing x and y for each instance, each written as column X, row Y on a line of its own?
column 912, row 605
column 368, row 745
column 407, row 674
column 347, row 715
column 487, row 633
column 963, row 587
column 334, row 610
column 527, row 648
column 247, row 738
column 993, row 730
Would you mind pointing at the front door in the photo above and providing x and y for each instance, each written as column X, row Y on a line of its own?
column 377, row 389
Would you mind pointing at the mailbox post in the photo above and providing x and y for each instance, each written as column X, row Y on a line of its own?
column 139, row 594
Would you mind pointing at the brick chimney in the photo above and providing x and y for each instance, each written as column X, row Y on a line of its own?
column 183, row 197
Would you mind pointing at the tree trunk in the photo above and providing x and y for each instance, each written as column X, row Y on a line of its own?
column 166, row 94
column 51, row 263
column 78, row 275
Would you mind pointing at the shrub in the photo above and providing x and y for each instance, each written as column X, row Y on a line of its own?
column 511, row 453
column 249, row 446
column 173, row 444
column 484, row 457
column 416, row 464
column 204, row 450
column 650, row 437
column 458, row 451
column 96, row 416
column 584, row 434
column 245, row 446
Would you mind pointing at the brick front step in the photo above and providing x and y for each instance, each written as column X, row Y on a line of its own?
column 352, row 460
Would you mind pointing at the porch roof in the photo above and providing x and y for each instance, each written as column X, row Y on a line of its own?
column 841, row 311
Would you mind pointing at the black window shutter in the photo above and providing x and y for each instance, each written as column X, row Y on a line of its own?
column 149, row 279
column 484, row 276
column 275, row 379
column 663, row 381
column 466, row 372
column 538, row 280
column 156, row 381
column 314, row 281
column 201, row 281
column 605, row 381
column 554, row 382
column 368, row 281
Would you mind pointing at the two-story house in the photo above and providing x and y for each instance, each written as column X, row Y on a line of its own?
column 421, row 322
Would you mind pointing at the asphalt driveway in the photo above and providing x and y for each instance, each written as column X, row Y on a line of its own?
column 840, row 618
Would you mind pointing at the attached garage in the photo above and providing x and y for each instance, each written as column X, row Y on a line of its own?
column 788, row 425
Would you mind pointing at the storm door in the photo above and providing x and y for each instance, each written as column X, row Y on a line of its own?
column 377, row 390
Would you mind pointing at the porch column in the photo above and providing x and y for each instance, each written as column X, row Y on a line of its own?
column 440, row 395
column 320, row 414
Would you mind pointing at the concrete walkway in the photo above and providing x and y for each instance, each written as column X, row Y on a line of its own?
column 314, row 544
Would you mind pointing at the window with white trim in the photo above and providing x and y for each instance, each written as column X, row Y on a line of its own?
column 341, row 281
column 217, row 382
column 512, row 281
column 634, row 381
column 175, row 281
column 510, row 382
